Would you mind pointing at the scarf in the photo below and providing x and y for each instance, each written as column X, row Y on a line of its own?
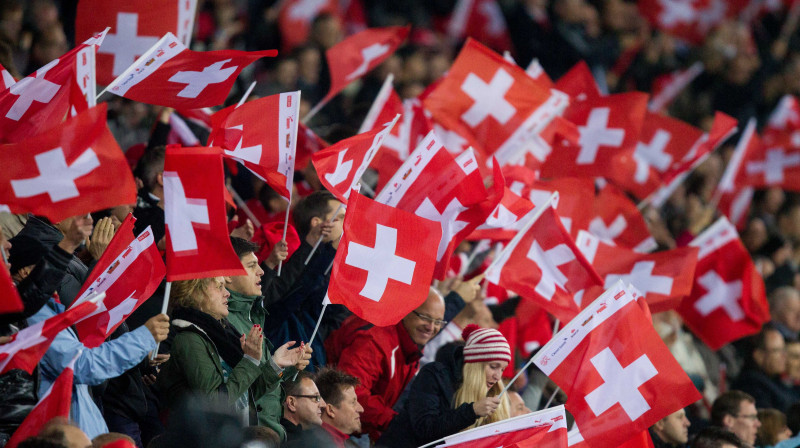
column 221, row 333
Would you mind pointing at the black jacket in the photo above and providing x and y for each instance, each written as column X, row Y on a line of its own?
column 428, row 413
column 768, row 392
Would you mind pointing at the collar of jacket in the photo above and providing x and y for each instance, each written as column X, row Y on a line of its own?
column 411, row 351
column 241, row 303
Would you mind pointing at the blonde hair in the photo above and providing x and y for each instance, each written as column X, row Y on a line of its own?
column 473, row 388
column 190, row 293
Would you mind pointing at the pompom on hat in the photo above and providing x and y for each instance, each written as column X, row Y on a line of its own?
column 485, row 345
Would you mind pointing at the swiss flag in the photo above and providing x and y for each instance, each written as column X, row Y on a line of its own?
column 129, row 272
column 55, row 402
column 6, row 80
column 384, row 265
column 546, row 428
column 785, row 117
column 495, row 103
column 664, row 278
column 135, row 27
column 619, row 376
column 667, row 87
column 732, row 194
column 340, row 166
column 308, row 143
column 358, row 54
column 579, row 84
column 506, row 219
column 265, row 146
column 295, row 17
column 72, row 169
column 9, row 297
column 691, row 20
column 728, row 300
column 543, row 264
column 482, row 20
column 572, row 195
column 616, row 220
column 608, row 126
column 29, row 344
column 169, row 74
column 434, row 184
column 198, row 244
column 776, row 164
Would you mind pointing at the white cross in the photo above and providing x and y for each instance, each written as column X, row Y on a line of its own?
column 773, row 165
column 597, row 227
column 641, row 276
column 250, row 154
column 549, row 261
column 674, row 12
column 8, row 80
column 126, row 44
column 56, row 178
column 452, row 140
column 342, row 170
column 32, row 88
column 306, row 10
column 489, row 99
column 27, row 338
column 380, row 262
column 196, row 82
column 652, row 154
column 450, row 225
column 368, row 54
column 720, row 294
column 785, row 113
column 596, row 133
column 495, row 22
column 117, row 313
column 181, row 212
column 621, row 385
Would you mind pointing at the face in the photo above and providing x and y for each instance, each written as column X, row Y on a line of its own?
column 307, row 411
column 420, row 322
column 674, row 428
column 119, row 213
column 337, row 220
column 517, row 405
column 347, row 416
column 494, row 371
column 793, row 360
column 216, row 303
column 772, row 358
column 745, row 424
column 790, row 314
column 250, row 284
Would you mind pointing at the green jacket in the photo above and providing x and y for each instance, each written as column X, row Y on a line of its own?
column 244, row 312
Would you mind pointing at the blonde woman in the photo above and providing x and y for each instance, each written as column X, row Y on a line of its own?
column 457, row 392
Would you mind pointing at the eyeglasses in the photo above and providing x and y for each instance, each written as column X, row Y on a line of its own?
column 748, row 416
column 315, row 398
column 440, row 323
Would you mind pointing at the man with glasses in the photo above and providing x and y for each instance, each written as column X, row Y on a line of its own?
column 761, row 377
column 302, row 410
column 735, row 411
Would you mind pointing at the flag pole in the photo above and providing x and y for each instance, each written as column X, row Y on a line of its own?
column 319, row 240
column 315, row 109
column 167, row 290
column 290, row 178
column 316, row 328
column 285, row 225
column 246, row 94
column 240, row 202
column 525, row 367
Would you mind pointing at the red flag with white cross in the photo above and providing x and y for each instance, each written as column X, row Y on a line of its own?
column 579, row 84
column 506, row 219
column 543, row 264
column 198, row 244
column 434, row 184
column 495, row 103
column 690, row 20
column 74, row 168
column 732, row 194
column 265, row 146
column 618, row 375
column 295, row 18
column 384, row 265
column 785, row 117
column 169, row 74
column 572, row 195
column 482, row 20
column 773, row 164
column 728, row 300
column 664, row 278
column 135, row 27
column 546, row 428
column 616, row 220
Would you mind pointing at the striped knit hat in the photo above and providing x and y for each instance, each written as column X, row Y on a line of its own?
column 485, row 345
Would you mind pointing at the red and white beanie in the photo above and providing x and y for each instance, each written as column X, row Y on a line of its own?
column 485, row 345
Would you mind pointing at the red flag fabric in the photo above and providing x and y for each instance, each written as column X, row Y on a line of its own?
column 55, row 402
column 358, row 54
column 773, row 164
column 572, row 195
column 506, row 219
column 28, row 345
column 616, row 220
column 785, row 117
column 340, row 166
column 690, row 20
column 482, row 20
column 198, row 244
column 434, row 184
column 9, row 296
column 618, row 375
column 129, row 272
column 265, row 146
column 295, row 17
column 384, row 265
column 546, row 428
column 6, row 80
column 664, row 278
column 732, row 194
column 667, row 87
column 579, row 84
column 169, row 74
column 135, row 27
column 74, row 168
column 543, row 264
column 728, row 299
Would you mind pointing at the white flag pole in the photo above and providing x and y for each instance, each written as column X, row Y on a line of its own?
column 164, row 306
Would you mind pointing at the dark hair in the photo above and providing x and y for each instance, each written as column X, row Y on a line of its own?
column 266, row 436
column 294, row 386
column 793, row 418
column 40, row 442
column 715, row 437
column 312, row 206
column 243, row 247
column 728, row 404
column 332, row 383
column 149, row 165
column 267, row 194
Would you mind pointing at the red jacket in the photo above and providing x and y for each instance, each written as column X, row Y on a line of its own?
column 384, row 359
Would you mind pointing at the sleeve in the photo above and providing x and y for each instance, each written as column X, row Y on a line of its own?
column 159, row 135
column 504, row 310
column 429, row 420
column 274, row 290
column 40, row 285
column 453, row 304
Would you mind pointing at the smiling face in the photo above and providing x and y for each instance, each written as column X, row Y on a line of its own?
column 494, row 371
column 250, row 284
column 420, row 322
column 216, row 301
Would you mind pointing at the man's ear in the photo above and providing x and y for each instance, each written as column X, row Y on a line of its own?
column 758, row 356
column 315, row 222
column 727, row 421
column 290, row 404
column 160, row 178
column 330, row 411
column 659, row 425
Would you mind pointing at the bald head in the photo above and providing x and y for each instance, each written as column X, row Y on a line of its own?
column 423, row 323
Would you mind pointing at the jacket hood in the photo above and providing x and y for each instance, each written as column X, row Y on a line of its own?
column 451, row 356
column 32, row 243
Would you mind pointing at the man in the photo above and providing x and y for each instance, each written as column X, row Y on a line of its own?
column 384, row 359
column 671, row 431
column 341, row 417
column 62, row 432
column 245, row 309
column 713, row 437
column 784, row 307
column 302, row 410
column 735, row 411
column 761, row 376
column 517, row 404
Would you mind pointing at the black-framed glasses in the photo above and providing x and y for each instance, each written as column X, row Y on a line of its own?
column 431, row 320
column 748, row 416
column 315, row 398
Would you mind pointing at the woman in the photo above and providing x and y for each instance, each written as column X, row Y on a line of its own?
column 457, row 392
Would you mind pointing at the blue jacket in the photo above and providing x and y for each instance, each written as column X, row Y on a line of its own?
column 94, row 366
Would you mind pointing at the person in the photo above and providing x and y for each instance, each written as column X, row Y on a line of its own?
column 773, row 428
column 715, row 437
column 761, row 377
column 118, row 439
column 302, row 409
column 384, row 359
column 341, row 417
column 671, row 431
column 459, row 391
column 65, row 433
column 735, row 411
column 784, row 305
column 245, row 309
column 517, row 404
